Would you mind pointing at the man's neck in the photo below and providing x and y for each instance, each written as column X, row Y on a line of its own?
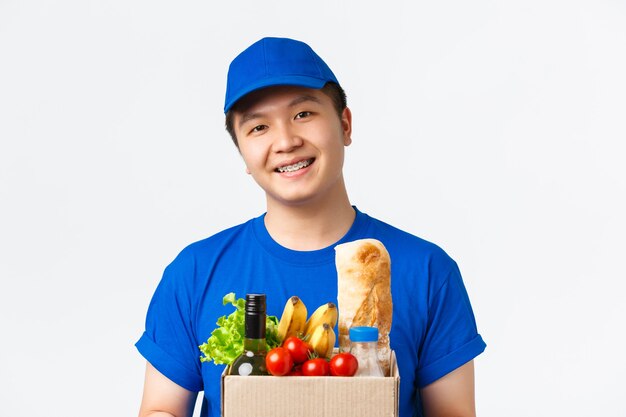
column 310, row 226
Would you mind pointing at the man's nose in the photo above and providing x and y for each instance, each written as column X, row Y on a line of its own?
column 287, row 139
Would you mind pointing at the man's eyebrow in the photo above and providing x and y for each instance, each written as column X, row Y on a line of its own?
column 303, row 98
column 248, row 116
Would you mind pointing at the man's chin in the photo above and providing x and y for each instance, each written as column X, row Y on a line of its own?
column 296, row 199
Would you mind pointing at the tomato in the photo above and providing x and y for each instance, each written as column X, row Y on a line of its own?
column 298, row 348
column 315, row 367
column 278, row 361
column 343, row 364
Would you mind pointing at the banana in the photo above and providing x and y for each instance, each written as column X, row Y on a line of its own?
column 323, row 340
column 326, row 313
column 293, row 320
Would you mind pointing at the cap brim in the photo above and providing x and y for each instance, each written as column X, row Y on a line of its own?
column 294, row 80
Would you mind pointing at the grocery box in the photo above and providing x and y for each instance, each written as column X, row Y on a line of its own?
column 310, row 396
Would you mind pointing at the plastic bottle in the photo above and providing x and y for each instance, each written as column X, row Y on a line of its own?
column 252, row 360
column 364, row 345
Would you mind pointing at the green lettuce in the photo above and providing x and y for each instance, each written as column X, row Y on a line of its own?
column 226, row 341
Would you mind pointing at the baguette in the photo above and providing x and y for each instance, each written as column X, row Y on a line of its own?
column 364, row 292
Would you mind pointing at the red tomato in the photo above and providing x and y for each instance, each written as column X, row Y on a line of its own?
column 315, row 367
column 343, row 364
column 298, row 348
column 278, row 361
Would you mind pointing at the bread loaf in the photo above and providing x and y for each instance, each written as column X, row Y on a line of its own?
column 364, row 292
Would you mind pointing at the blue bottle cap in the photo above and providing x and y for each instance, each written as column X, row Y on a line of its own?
column 364, row 334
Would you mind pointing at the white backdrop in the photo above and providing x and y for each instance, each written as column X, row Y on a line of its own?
column 494, row 129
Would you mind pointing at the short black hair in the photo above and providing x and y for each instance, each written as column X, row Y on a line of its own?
column 331, row 89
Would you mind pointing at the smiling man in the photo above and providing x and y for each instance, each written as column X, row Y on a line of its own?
column 292, row 140
column 287, row 115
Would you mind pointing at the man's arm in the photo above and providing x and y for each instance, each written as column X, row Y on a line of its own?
column 451, row 395
column 164, row 398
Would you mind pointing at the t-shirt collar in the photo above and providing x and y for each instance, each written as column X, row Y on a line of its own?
column 314, row 257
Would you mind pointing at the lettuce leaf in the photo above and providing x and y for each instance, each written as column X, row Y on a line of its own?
column 226, row 341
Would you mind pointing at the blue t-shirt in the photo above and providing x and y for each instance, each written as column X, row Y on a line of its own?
column 433, row 329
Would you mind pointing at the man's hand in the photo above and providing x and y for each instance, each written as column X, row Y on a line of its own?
column 452, row 395
column 164, row 398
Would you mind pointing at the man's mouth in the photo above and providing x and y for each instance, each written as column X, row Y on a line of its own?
column 295, row 167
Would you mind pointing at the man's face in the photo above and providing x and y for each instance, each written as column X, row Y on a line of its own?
column 292, row 142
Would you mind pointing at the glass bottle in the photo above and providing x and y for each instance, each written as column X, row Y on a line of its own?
column 364, row 345
column 252, row 360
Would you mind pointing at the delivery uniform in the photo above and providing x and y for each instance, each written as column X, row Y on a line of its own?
column 433, row 330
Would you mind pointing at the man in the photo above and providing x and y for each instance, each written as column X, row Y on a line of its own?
column 288, row 117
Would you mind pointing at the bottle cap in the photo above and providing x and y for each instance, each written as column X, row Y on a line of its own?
column 364, row 334
column 255, row 303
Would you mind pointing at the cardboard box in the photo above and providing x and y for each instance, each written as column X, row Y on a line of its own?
column 308, row 396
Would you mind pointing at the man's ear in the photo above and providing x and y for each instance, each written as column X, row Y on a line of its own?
column 346, row 126
column 247, row 171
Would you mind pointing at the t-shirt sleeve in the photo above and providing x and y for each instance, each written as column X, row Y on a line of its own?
column 168, row 341
column 451, row 338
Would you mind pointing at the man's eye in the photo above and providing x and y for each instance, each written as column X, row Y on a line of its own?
column 258, row 128
column 303, row 114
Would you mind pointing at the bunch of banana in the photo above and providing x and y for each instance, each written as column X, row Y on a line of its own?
column 318, row 330
column 323, row 340
column 326, row 313
column 293, row 320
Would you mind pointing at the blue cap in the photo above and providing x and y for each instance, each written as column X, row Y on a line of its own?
column 364, row 334
column 275, row 61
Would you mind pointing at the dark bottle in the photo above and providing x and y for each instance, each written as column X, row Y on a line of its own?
column 252, row 360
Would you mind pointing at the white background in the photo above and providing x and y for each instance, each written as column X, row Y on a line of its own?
column 494, row 129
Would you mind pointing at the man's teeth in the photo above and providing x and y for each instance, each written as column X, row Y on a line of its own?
column 296, row 166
